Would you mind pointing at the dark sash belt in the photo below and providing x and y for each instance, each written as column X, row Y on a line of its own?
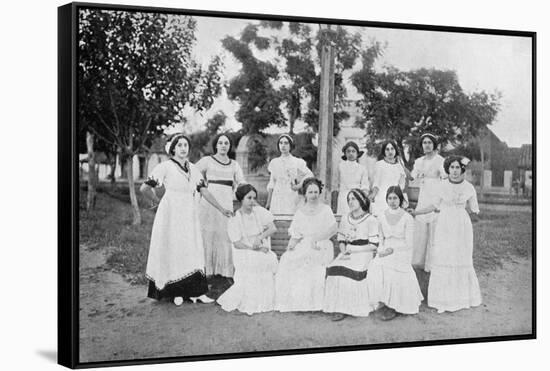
column 228, row 183
column 346, row 272
column 359, row 242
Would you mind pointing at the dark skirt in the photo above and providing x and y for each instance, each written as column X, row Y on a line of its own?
column 191, row 286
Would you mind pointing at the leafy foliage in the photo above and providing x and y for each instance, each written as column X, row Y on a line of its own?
column 398, row 105
column 136, row 74
column 252, row 88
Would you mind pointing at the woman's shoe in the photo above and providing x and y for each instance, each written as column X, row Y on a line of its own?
column 178, row 300
column 389, row 314
column 203, row 299
column 338, row 317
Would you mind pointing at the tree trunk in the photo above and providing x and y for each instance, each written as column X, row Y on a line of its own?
column 113, row 156
column 92, row 178
column 482, row 180
column 132, row 187
column 292, row 119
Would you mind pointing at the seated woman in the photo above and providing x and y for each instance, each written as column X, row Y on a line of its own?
column 392, row 281
column 300, row 279
column 346, row 289
column 255, row 263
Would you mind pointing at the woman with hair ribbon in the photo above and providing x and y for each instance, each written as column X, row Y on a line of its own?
column 346, row 288
column 453, row 281
column 350, row 174
column 286, row 176
column 175, row 264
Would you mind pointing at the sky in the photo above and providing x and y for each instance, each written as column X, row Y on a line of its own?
column 482, row 62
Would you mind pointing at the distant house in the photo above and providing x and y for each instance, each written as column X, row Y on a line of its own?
column 498, row 159
column 525, row 168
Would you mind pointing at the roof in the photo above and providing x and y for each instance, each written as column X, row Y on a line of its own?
column 526, row 156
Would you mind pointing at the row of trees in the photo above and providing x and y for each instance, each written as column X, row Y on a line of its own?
column 136, row 75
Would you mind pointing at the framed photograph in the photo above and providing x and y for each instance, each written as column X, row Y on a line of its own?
column 246, row 185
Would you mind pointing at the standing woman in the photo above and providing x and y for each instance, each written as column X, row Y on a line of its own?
column 453, row 281
column 350, row 174
column 389, row 171
column 175, row 265
column 286, row 177
column 392, row 281
column 346, row 290
column 222, row 175
column 428, row 170
column 255, row 263
column 300, row 279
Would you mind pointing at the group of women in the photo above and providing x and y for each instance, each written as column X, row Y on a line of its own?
column 196, row 234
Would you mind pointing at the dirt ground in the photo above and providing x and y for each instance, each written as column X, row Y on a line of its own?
column 118, row 322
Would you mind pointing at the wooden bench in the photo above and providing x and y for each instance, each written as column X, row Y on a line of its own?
column 279, row 239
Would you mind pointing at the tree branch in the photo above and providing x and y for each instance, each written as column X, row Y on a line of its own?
column 105, row 124
column 144, row 132
column 114, row 143
column 117, row 122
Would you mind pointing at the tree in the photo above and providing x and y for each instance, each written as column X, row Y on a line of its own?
column 259, row 101
column 300, row 52
column 397, row 105
column 136, row 75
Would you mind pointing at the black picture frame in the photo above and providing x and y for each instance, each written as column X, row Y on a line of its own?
column 68, row 190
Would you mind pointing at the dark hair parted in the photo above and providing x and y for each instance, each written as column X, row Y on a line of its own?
column 309, row 181
column 382, row 153
column 174, row 141
column 431, row 137
column 449, row 160
column 353, row 145
column 398, row 192
column 243, row 190
column 290, row 141
column 361, row 197
column 215, row 143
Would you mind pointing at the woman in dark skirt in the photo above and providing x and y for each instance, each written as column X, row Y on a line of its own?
column 175, row 265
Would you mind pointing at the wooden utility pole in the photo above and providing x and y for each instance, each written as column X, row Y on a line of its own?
column 326, row 113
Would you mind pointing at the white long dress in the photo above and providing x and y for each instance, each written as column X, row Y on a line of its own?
column 429, row 173
column 391, row 278
column 300, row 279
column 453, row 281
column 386, row 175
column 283, row 172
column 222, row 179
column 346, row 287
column 254, row 287
column 352, row 175
column 175, row 264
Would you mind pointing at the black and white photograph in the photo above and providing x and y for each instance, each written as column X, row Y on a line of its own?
column 248, row 184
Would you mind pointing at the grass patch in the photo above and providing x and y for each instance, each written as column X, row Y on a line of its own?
column 502, row 236
column 109, row 227
column 499, row 236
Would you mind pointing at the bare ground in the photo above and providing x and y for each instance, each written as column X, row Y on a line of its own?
column 117, row 321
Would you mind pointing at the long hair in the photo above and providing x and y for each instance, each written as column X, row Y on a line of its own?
column 382, row 153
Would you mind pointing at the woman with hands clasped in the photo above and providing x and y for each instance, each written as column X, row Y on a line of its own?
column 175, row 265
column 392, row 282
column 300, row 279
column 389, row 171
column 255, row 264
column 346, row 290
column 286, row 178
column 453, row 282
